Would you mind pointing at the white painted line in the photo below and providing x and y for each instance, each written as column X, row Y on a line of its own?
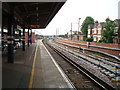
column 67, row 80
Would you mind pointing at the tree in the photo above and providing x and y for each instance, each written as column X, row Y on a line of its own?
column 89, row 39
column 88, row 21
column 63, row 36
column 108, row 33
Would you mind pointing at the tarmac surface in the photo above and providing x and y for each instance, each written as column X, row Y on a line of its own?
column 33, row 68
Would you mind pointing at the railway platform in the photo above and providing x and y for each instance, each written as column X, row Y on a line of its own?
column 33, row 68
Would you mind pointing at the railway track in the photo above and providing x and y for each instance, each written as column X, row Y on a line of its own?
column 76, row 45
column 84, row 46
column 102, row 84
column 111, row 69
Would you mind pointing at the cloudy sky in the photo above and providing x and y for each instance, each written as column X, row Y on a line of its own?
column 74, row 9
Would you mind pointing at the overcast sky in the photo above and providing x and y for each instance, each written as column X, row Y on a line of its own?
column 74, row 9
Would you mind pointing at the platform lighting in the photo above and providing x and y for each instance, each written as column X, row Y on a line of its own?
column 36, row 8
column 71, row 28
column 37, row 14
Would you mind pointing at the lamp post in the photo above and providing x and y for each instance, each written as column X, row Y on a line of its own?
column 78, row 27
column 71, row 31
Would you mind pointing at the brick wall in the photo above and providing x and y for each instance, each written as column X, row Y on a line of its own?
column 108, row 45
column 105, row 45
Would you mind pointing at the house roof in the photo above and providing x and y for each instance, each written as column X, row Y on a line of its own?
column 102, row 23
column 96, row 25
column 90, row 26
column 117, row 21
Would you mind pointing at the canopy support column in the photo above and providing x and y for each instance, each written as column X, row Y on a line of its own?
column 23, row 39
column 10, row 40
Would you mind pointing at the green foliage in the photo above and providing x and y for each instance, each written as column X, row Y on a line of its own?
column 108, row 33
column 95, row 41
column 89, row 20
column 100, row 41
column 89, row 39
column 63, row 36
column 66, row 36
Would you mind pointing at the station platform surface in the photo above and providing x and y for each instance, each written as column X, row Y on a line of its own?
column 33, row 68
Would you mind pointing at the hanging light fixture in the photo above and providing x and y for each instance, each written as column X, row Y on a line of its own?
column 37, row 14
column 37, row 8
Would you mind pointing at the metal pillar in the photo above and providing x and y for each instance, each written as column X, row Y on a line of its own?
column 71, row 31
column 2, row 42
column 31, row 37
column 23, row 40
column 14, row 42
column 10, row 40
column 78, row 27
column 28, row 37
column 2, row 30
column 20, row 35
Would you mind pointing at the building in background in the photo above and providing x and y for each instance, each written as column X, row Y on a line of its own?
column 119, row 21
column 117, row 32
column 76, row 35
column 95, row 31
column 37, row 36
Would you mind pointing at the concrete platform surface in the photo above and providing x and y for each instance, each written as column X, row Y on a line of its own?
column 34, row 68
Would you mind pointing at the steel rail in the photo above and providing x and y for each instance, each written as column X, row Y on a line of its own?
column 94, row 78
column 73, row 53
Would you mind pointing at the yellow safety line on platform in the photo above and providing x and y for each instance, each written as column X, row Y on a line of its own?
column 33, row 69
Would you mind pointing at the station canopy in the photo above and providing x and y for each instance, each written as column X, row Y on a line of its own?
column 36, row 15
